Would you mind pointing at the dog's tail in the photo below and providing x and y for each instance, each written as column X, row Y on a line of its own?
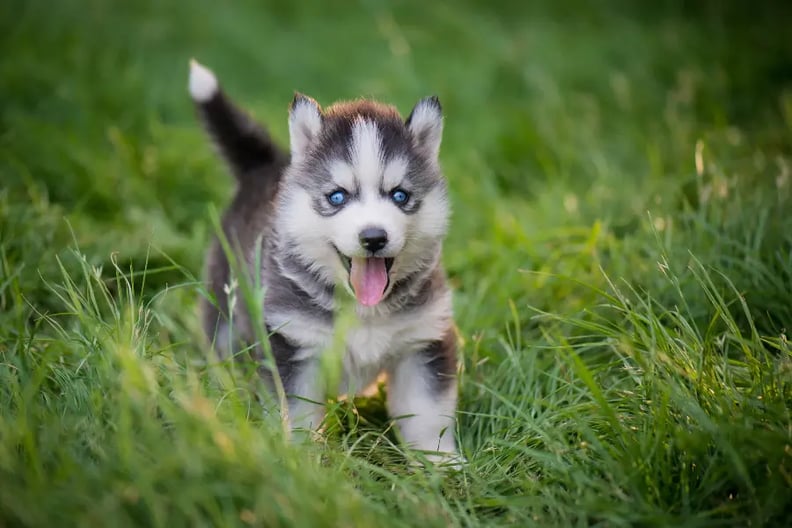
column 248, row 149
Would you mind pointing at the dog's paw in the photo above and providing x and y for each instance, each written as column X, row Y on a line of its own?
column 443, row 461
column 449, row 461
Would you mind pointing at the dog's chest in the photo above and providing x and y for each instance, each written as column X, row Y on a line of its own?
column 376, row 343
column 372, row 347
column 372, row 342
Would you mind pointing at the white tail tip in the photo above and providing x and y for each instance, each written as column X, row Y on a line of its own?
column 203, row 83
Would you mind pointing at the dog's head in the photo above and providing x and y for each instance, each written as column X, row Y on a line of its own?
column 363, row 202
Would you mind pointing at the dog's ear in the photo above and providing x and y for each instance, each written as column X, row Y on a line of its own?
column 305, row 122
column 425, row 123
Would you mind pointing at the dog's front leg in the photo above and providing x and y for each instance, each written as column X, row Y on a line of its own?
column 422, row 396
column 302, row 383
column 304, row 394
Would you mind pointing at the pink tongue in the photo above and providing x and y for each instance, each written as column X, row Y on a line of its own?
column 369, row 279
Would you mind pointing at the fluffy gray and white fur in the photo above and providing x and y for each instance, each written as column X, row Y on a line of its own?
column 359, row 204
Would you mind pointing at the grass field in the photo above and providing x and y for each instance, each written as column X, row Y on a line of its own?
column 621, row 253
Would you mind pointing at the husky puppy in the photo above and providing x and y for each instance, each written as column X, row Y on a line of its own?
column 360, row 205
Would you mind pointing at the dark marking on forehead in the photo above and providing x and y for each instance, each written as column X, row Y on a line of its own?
column 335, row 139
column 341, row 118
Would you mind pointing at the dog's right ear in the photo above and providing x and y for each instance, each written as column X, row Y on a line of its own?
column 425, row 123
column 305, row 122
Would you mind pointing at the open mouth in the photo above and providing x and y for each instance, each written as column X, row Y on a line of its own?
column 368, row 276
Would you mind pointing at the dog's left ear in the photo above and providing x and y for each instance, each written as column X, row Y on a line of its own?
column 425, row 123
column 305, row 122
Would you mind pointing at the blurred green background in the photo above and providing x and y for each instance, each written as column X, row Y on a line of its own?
column 593, row 150
column 558, row 116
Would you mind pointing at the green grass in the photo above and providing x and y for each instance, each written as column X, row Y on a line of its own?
column 621, row 254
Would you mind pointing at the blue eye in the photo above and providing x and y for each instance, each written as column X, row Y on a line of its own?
column 338, row 197
column 399, row 197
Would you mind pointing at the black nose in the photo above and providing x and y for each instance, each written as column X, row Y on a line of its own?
column 373, row 239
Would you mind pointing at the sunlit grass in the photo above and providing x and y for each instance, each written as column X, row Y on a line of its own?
column 621, row 253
